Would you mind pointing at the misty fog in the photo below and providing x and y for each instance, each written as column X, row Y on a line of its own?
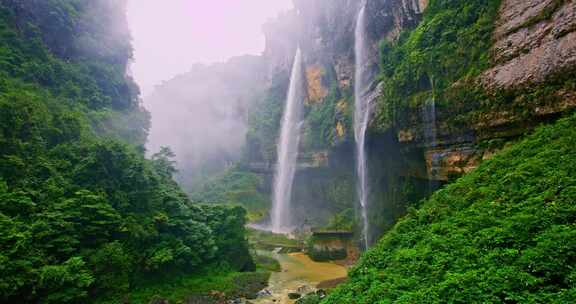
column 201, row 116
column 198, row 103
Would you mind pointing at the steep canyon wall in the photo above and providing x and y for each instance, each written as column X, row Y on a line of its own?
column 525, row 77
column 531, row 49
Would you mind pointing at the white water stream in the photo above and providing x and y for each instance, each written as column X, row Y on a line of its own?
column 362, row 113
column 281, row 218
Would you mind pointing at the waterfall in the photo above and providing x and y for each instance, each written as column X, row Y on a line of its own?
column 430, row 116
column 281, row 221
column 362, row 112
column 430, row 134
column 430, row 122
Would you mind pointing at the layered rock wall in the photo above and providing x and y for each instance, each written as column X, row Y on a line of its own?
column 534, row 39
column 534, row 43
column 324, row 30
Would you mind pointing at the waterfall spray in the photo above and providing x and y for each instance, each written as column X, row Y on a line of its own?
column 281, row 219
column 362, row 112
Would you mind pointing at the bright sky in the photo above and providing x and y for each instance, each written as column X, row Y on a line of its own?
column 169, row 36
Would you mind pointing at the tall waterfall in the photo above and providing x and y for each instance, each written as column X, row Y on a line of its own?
column 288, row 150
column 430, row 134
column 429, row 111
column 362, row 112
column 430, row 122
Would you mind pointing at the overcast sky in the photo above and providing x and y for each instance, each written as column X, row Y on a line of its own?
column 169, row 36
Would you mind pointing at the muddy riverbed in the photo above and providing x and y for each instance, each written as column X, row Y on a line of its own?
column 299, row 275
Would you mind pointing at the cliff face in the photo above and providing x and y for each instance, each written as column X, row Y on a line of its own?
column 324, row 30
column 450, row 90
column 533, row 40
column 533, row 56
column 525, row 82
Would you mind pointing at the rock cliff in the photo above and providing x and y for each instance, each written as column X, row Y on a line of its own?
column 324, row 30
column 532, row 51
column 453, row 83
column 533, row 57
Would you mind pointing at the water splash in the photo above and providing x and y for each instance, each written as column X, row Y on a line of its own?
column 281, row 219
column 362, row 113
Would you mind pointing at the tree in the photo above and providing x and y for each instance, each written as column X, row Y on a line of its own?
column 164, row 163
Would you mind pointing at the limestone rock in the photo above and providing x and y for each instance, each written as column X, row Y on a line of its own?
column 324, row 29
column 529, row 46
column 316, row 89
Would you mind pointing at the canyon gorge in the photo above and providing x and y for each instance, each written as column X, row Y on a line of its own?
column 376, row 151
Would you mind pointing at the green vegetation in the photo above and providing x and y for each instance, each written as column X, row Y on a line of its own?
column 264, row 122
column 236, row 187
column 84, row 217
column 343, row 221
column 213, row 287
column 451, row 43
column 265, row 240
column 83, row 66
column 502, row 234
column 267, row 262
column 312, row 298
column 321, row 119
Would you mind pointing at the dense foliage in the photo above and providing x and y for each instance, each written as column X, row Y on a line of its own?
column 325, row 124
column 235, row 187
column 264, row 122
column 83, row 214
column 88, row 78
column 451, row 43
column 503, row 234
column 206, row 287
column 326, row 121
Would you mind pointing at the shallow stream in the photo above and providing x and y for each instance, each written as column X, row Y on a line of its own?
column 299, row 275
